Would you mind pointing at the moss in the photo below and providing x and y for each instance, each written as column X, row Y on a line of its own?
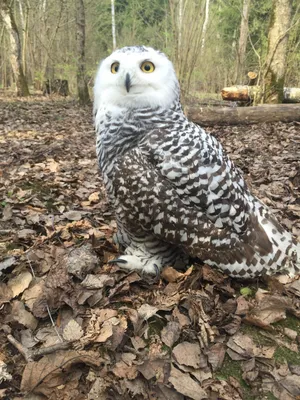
column 156, row 325
column 233, row 368
column 283, row 354
column 290, row 322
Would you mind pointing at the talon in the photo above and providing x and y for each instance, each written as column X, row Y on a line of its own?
column 117, row 260
column 157, row 274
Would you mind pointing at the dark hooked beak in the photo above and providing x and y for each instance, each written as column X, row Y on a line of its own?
column 127, row 82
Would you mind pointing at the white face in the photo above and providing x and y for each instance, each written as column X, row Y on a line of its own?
column 135, row 77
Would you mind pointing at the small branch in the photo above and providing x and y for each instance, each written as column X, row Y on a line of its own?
column 23, row 350
column 31, row 355
column 53, row 324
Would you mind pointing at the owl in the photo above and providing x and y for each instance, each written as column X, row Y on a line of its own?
column 175, row 193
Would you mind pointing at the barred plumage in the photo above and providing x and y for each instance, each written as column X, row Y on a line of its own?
column 174, row 190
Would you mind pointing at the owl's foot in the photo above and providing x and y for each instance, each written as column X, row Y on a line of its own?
column 131, row 262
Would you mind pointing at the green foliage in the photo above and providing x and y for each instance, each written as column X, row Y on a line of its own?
column 51, row 38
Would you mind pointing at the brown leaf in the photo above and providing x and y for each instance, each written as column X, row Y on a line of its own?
column 245, row 348
column 7, row 213
column 187, row 354
column 269, row 308
column 185, row 385
column 122, row 370
column 19, row 283
column 146, row 311
column 97, row 281
column 30, row 295
column 72, row 331
column 55, row 365
column 216, row 354
column 81, row 261
column 170, row 333
column 22, row 316
column 6, row 293
column 72, row 215
column 153, row 369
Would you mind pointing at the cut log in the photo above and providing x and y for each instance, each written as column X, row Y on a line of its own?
column 248, row 93
column 208, row 116
column 252, row 78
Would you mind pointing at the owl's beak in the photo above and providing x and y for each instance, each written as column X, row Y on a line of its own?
column 127, row 82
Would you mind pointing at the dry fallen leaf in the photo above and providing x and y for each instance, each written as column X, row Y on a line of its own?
column 97, row 281
column 187, row 354
column 72, row 215
column 4, row 375
column 146, row 311
column 72, row 331
column 50, row 368
column 19, row 283
column 187, row 386
column 170, row 333
column 22, row 316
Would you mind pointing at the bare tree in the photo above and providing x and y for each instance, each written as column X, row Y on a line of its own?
column 205, row 25
column 277, row 51
column 113, row 24
column 83, row 92
column 7, row 15
column 187, row 33
column 241, row 54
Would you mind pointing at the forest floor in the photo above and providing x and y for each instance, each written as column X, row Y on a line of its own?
column 74, row 327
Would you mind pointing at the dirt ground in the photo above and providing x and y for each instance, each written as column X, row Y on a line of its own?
column 74, row 327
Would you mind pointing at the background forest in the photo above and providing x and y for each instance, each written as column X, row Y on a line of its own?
column 213, row 43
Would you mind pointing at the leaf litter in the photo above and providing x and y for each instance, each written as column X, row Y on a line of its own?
column 74, row 326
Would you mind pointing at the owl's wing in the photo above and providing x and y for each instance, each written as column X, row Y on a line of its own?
column 145, row 199
column 201, row 174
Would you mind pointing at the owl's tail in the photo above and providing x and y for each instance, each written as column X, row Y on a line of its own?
column 285, row 254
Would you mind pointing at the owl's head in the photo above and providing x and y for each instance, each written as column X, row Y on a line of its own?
column 136, row 77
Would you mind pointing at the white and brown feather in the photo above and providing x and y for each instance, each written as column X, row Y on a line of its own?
column 175, row 193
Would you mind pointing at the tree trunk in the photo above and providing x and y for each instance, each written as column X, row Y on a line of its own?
column 83, row 92
column 205, row 25
column 15, row 47
column 277, row 49
column 241, row 55
column 208, row 116
column 113, row 24
column 248, row 93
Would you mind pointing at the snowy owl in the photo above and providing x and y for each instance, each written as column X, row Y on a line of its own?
column 175, row 192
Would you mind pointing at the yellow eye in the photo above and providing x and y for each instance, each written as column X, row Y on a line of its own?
column 115, row 67
column 147, row 67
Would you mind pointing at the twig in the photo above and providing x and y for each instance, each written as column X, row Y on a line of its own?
column 30, row 265
column 31, row 355
column 53, row 323
column 23, row 350
column 51, row 349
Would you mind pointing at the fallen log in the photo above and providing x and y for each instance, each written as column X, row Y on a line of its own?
column 248, row 93
column 208, row 116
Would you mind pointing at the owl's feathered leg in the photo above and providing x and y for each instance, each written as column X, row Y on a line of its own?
column 141, row 263
column 148, row 256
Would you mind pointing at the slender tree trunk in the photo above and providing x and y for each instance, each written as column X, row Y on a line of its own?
column 113, row 24
column 15, row 47
column 83, row 92
column 241, row 55
column 205, row 25
column 277, row 50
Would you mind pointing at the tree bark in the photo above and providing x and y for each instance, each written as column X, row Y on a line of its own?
column 248, row 93
column 241, row 55
column 208, row 116
column 15, row 47
column 83, row 92
column 277, row 50
column 205, row 25
column 113, row 24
